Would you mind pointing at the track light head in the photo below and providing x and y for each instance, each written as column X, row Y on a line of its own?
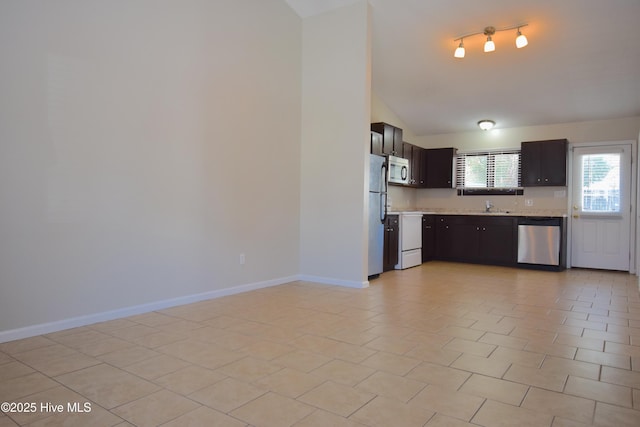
column 521, row 40
column 459, row 50
column 489, row 45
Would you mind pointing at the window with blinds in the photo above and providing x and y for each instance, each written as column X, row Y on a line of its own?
column 488, row 172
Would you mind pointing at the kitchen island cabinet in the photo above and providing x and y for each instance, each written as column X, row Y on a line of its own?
column 544, row 163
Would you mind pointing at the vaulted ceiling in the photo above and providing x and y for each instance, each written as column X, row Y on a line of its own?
column 582, row 62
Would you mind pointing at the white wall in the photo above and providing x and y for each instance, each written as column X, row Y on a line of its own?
column 143, row 146
column 548, row 198
column 335, row 145
column 589, row 131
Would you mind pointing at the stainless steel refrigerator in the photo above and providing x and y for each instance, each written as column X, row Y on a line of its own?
column 377, row 212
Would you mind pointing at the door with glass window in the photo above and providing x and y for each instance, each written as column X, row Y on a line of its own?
column 601, row 207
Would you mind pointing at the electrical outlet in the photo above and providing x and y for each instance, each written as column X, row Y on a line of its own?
column 242, row 259
column 528, row 202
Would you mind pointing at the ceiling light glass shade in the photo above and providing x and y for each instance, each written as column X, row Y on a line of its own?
column 486, row 124
column 489, row 45
column 459, row 51
column 521, row 40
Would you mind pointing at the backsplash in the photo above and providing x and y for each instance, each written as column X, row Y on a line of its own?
column 543, row 199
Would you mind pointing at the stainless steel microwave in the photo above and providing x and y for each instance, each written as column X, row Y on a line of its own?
column 398, row 170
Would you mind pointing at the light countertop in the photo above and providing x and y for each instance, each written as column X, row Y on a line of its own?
column 494, row 212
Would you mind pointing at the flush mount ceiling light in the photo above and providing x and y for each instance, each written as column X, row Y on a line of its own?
column 489, row 45
column 486, row 124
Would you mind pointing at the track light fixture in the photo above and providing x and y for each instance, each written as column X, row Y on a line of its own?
column 489, row 45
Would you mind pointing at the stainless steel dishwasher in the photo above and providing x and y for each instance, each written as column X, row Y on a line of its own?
column 539, row 240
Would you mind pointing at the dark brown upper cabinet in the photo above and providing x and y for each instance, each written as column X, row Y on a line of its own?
column 376, row 143
column 438, row 167
column 391, row 139
column 544, row 163
column 414, row 155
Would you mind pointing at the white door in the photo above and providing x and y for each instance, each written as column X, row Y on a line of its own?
column 601, row 211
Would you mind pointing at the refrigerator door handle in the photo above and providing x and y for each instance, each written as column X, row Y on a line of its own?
column 383, row 193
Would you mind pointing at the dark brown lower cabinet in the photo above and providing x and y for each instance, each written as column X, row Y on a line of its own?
column 478, row 239
column 499, row 240
column 391, row 242
column 428, row 237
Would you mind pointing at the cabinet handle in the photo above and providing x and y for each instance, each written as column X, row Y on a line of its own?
column 477, row 228
column 427, row 227
column 484, row 229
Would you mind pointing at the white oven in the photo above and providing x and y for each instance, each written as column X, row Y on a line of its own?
column 410, row 245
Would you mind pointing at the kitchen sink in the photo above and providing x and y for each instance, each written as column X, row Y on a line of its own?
column 493, row 213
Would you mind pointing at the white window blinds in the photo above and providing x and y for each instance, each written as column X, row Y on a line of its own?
column 488, row 169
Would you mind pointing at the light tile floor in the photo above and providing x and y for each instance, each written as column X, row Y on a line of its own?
column 443, row 344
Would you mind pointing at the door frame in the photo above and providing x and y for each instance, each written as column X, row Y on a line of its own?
column 634, row 196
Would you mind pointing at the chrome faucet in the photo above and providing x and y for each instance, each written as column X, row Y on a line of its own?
column 488, row 206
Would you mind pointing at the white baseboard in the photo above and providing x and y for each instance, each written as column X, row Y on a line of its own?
column 335, row 282
column 74, row 322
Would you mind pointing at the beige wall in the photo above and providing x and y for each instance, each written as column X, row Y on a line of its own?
column 335, row 134
column 143, row 146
